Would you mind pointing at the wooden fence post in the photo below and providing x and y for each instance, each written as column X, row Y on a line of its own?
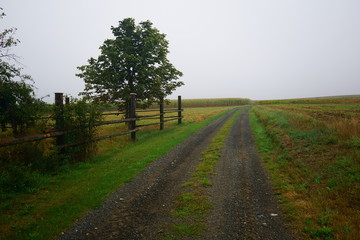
column 179, row 110
column 161, row 113
column 133, row 114
column 59, row 119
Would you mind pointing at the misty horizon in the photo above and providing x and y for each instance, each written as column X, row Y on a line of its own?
column 259, row 50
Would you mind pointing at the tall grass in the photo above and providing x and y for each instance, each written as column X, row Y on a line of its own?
column 315, row 167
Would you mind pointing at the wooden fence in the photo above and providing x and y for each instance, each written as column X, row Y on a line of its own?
column 59, row 133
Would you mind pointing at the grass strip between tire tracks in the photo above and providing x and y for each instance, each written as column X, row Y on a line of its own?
column 189, row 217
column 84, row 186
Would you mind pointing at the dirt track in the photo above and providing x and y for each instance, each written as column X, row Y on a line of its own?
column 244, row 204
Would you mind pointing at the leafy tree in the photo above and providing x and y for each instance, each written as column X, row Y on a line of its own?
column 18, row 105
column 135, row 61
column 7, row 41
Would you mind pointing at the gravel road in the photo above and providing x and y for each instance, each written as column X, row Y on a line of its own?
column 245, row 206
column 244, row 203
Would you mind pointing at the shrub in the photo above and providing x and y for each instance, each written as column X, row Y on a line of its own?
column 81, row 119
column 19, row 179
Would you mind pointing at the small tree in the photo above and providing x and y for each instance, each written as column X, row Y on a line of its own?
column 18, row 105
column 134, row 62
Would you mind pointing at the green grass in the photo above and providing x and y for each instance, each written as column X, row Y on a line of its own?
column 78, row 188
column 314, row 170
column 189, row 217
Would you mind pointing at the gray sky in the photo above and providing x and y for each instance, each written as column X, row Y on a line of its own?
column 258, row 49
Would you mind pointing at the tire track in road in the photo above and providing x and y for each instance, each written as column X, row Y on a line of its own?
column 142, row 207
column 245, row 206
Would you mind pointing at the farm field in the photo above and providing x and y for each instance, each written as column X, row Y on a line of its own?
column 311, row 148
column 191, row 115
column 42, row 210
column 210, row 102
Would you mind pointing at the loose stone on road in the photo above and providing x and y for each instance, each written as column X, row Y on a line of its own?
column 244, row 203
column 244, row 206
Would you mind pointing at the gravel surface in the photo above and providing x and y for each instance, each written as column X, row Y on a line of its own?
column 244, row 203
column 142, row 207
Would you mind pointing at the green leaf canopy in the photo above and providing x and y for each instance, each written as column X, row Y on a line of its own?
column 18, row 105
column 134, row 62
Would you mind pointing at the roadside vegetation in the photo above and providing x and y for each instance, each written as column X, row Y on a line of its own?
column 54, row 200
column 189, row 217
column 312, row 152
column 190, row 115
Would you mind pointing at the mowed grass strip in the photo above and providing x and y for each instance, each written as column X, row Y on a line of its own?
column 189, row 217
column 314, row 166
column 79, row 188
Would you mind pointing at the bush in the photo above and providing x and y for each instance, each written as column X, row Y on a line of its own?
column 19, row 179
column 81, row 119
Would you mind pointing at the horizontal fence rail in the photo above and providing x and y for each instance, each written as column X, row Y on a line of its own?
column 32, row 138
column 59, row 133
column 100, row 138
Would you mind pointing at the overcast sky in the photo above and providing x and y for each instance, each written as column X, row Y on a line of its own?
column 258, row 49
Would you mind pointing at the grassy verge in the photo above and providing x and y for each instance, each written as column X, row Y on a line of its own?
column 75, row 190
column 192, row 115
column 193, row 204
column 314, row 169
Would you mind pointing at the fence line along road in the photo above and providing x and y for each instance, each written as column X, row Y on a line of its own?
column 59, row 133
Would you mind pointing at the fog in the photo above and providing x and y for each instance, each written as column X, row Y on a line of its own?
column 256, row 49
